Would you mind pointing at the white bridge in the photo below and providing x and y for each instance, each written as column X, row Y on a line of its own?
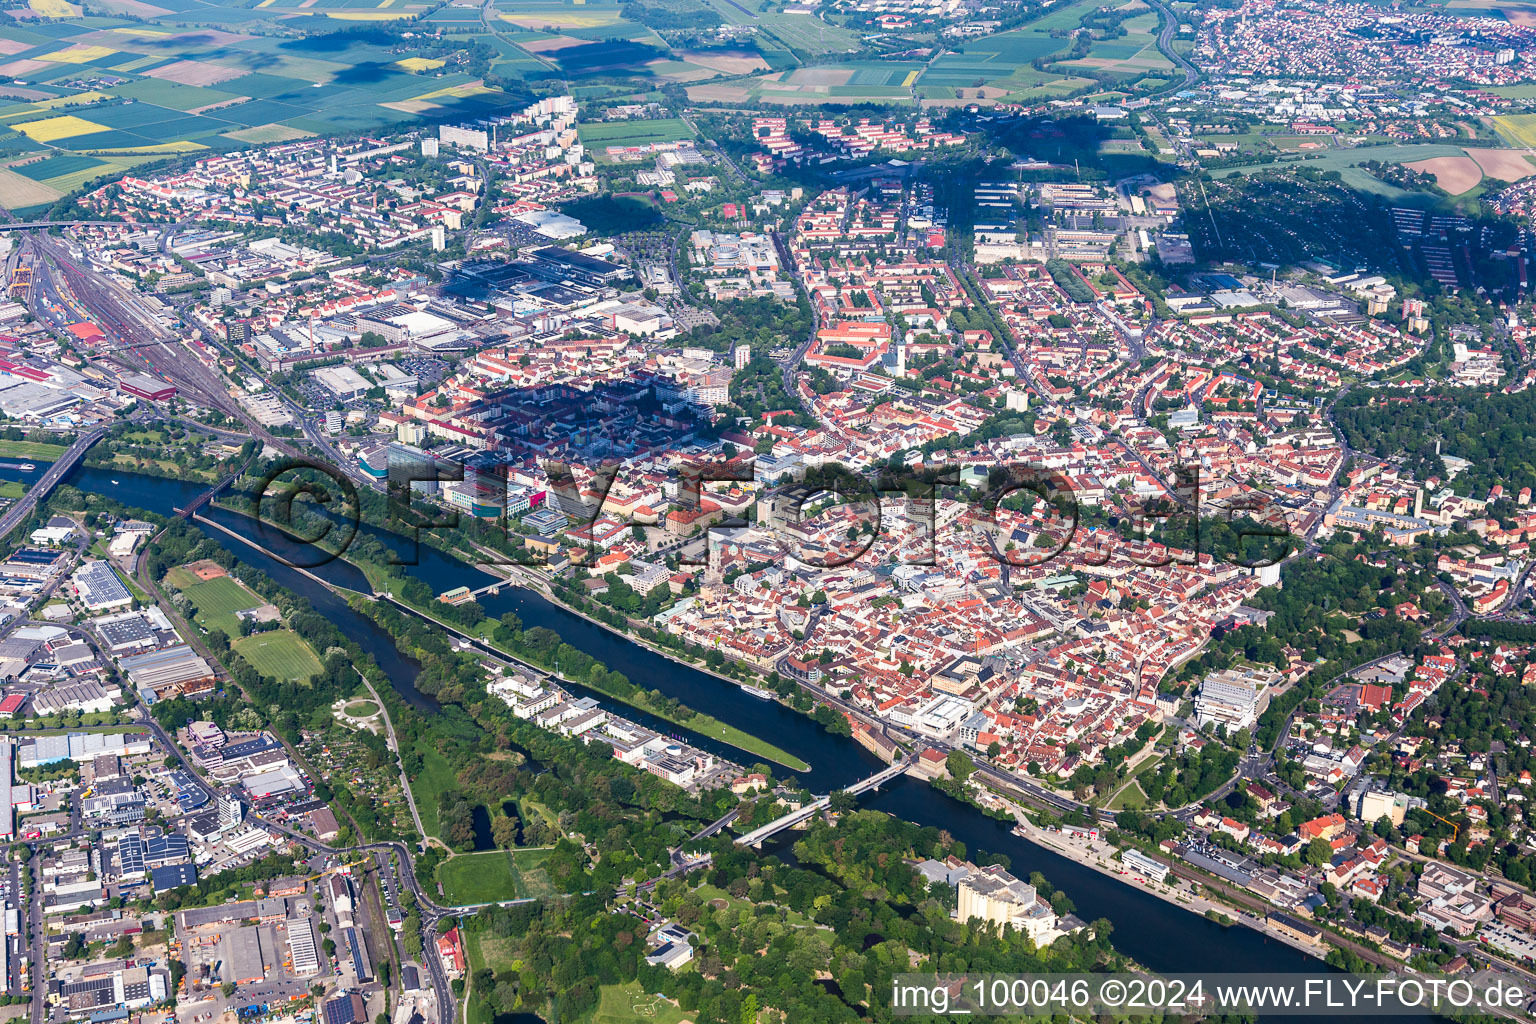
column 820, row 804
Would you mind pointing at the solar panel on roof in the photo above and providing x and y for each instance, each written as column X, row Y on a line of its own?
column 165, row 848
column 130, row 854
column 173, row 876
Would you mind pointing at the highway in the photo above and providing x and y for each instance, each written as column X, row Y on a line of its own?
column 1170, row 25
column 19, row 512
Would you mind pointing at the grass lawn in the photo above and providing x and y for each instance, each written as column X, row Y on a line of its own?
column 1130, row 797
column 436, row 777
column 181, row 577
column 496, row 952
column 626, row 1003
column 478, row 877
column 217, row 600
column 134, row 589
column 633, row 133
column 793, row 918
column 528, row 807
column 281, row 654
column 698, row 722
column 711, row 726
column 529, row 874
column 145, row 436
column 31, row 450
column 361, row 708
column 12, row 489
column 477, row 1009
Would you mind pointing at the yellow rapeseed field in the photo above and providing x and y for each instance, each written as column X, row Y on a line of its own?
column 54, row 8
column 77, row 54
column 52, row 129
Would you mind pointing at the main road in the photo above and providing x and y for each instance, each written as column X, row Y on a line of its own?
column 1165, row 42
column 18, row 513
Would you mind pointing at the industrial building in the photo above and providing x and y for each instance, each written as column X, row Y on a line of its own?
column 301, row 939
column 177, row 669
column 99, row 588
column 142, row 385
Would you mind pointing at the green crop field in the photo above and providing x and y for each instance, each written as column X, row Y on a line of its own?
column 217, row 600
column 281, row 654
column 191, row 77
column 58, row 166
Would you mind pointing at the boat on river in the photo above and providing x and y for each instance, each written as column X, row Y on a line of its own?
column 758, row 692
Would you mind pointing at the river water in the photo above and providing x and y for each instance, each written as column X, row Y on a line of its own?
column 1154, row 932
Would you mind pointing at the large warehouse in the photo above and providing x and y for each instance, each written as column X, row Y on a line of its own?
column 175, row 668
column 142, row 385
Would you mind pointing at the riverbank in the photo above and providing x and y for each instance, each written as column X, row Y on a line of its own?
column 385, row 582
column 549, row 595
column 1149, row 930
column 1097, row 856
column 706, row 725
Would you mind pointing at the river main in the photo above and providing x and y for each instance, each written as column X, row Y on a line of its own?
column 1153, row 931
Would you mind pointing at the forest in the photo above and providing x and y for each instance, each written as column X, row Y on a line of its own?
column 817, row 939
column 1494, row 433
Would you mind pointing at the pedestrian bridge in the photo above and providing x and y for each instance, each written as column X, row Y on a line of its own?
column 820, row 804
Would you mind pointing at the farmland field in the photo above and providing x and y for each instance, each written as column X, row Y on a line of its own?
column 1347, row 162
column 1519, row 129
column 218, row 75
column 19, row 193
column 803, row 32
column 1455, row 174
column 279, row 653
column 52, row 129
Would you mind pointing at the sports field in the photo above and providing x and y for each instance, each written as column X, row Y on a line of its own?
column 279, row 653
column 217, row 600
column 633, row 133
